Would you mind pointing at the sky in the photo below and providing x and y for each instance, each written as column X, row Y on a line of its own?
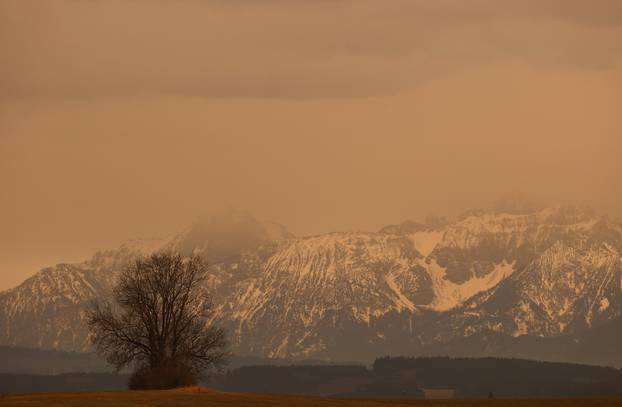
column 131, row 118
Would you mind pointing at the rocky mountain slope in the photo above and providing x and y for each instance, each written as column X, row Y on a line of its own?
column 355, row 295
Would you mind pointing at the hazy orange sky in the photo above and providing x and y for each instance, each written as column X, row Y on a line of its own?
column 125, row 118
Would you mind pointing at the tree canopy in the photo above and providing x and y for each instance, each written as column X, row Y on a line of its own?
column 161, row 316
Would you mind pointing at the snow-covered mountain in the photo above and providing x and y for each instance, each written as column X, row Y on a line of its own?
column 357, row 295
column 45, row 311
column 568, row 277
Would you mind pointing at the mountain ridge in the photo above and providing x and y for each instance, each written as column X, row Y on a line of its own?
column 357, row 295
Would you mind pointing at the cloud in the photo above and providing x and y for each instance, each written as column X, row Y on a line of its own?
column 125, row 118
column 285, row 50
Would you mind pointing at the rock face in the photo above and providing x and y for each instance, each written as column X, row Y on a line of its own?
column 355, row 295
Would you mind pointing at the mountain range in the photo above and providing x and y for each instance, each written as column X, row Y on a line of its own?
column 513, row 281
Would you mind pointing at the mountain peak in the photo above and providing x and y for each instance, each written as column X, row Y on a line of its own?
column 227, row 233
column 572, row 214
column 517, row 206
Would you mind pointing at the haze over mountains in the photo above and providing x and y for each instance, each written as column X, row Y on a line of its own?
column 513, row 281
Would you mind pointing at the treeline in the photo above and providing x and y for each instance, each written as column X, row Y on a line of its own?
column 295, row 379
column 506, row 378
column 411, row 377
column 389, row 377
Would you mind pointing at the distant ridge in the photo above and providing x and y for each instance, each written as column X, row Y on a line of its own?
column 45, row 362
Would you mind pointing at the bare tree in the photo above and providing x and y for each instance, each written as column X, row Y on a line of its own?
column 161, row 317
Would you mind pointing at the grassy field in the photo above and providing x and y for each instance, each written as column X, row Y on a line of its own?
column 197, row 397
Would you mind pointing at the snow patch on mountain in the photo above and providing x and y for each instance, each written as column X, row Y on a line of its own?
column 401, row 302
column 426, row 241
column 449, row 295
column 604, row 304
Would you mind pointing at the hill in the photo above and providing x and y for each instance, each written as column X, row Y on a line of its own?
column 18, row 360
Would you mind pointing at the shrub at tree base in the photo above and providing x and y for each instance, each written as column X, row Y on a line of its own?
column 169, row 376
